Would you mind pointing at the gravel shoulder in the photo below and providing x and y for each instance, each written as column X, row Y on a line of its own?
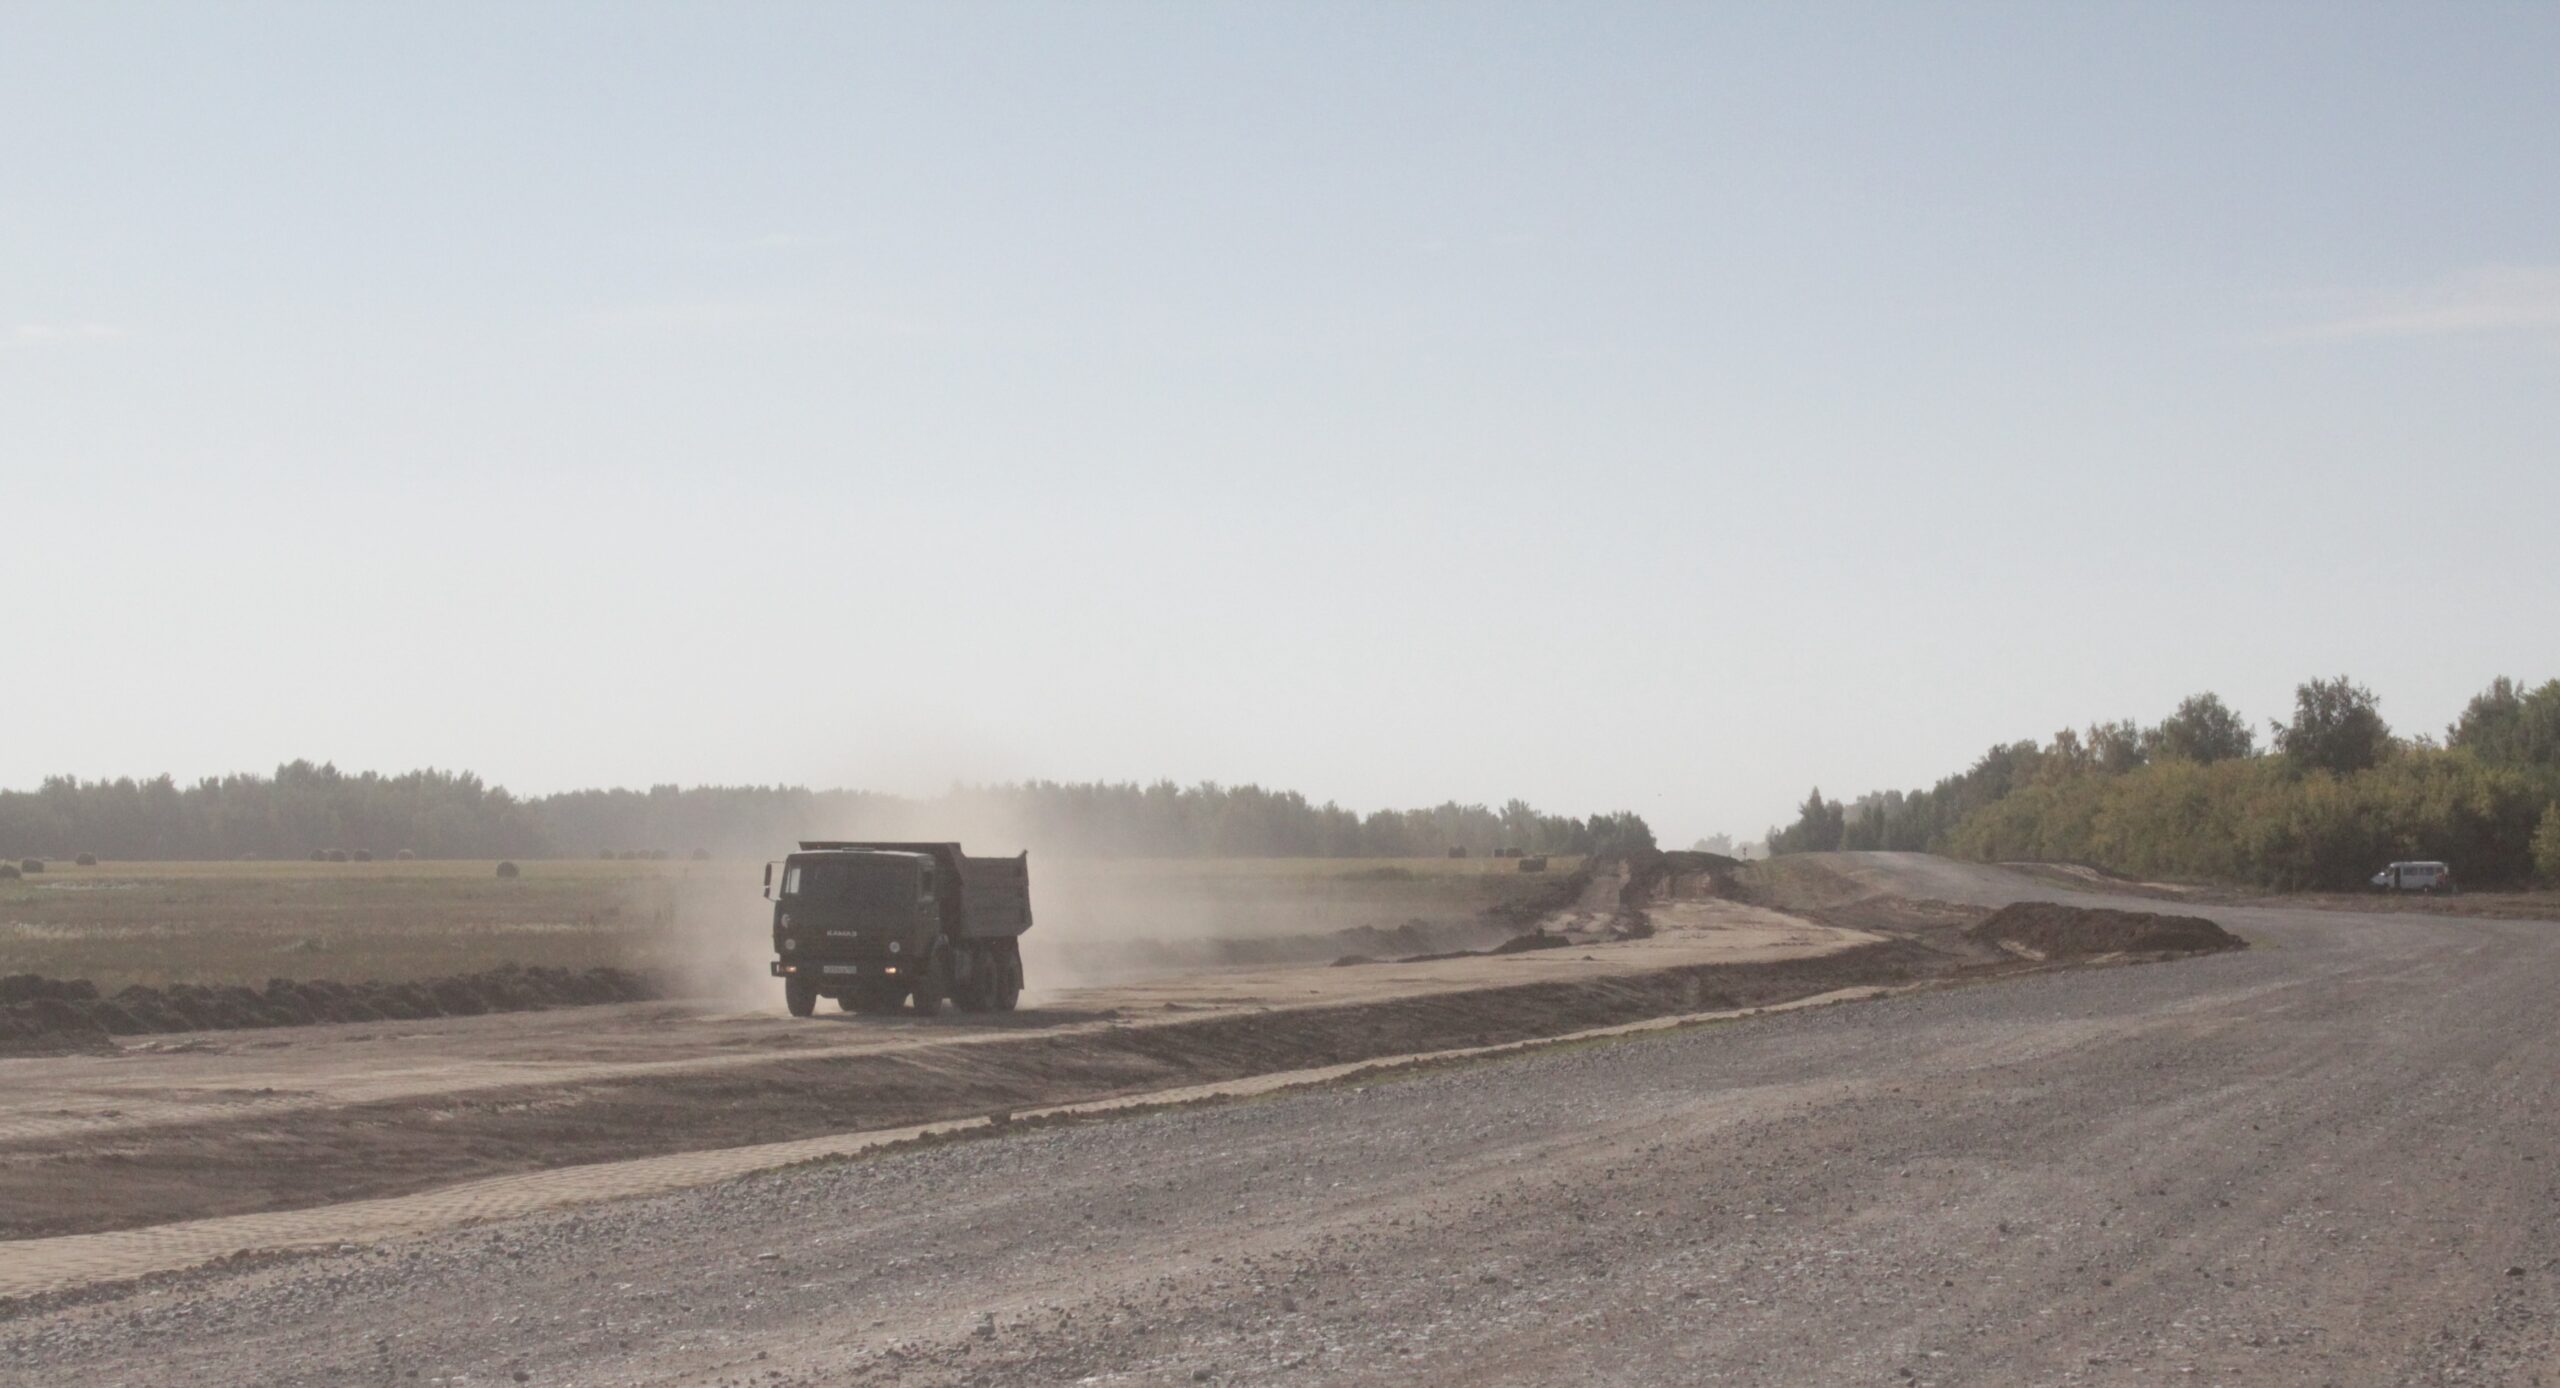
column 2329, row 1158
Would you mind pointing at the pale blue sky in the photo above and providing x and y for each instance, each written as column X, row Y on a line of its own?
column 1646, row 407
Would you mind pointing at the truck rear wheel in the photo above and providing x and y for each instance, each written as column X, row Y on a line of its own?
column 800, row 995
column 1007, row 978
column 976, row 991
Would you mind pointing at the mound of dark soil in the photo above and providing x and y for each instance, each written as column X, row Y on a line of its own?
column 1517, row 944
column 23, row 988
column 1535, row 939
column 45, row 1013
column 2054, row 930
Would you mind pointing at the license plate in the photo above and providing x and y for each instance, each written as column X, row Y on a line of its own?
column 839, row 969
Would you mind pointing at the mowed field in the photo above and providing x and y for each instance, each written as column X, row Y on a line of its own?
column 700, row 923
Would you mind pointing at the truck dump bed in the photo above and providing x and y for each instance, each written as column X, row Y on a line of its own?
column 993, row 899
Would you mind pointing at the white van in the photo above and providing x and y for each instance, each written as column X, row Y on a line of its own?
column 2415, row 877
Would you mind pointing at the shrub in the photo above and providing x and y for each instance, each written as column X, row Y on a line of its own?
column 31, row 865
column 87, row 860
column 8, row 872
column 506, row 869
column 2546, row 845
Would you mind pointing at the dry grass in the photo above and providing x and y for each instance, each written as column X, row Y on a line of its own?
column 236, row 922
column 162, row 923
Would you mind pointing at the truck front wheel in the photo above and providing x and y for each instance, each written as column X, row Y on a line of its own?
column 932, row 983
column 800, row 995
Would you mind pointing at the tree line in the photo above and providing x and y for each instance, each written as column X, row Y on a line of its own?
column 306, row 809
column 2333, row 796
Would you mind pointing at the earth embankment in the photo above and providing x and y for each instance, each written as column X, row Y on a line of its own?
column 38, row 1013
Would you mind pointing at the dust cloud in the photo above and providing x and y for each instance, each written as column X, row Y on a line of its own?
column 1101, row 921
column 713, row 934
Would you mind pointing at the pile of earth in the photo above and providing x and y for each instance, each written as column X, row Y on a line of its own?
column 39, row 1012
column 2052, row 930
column 1679, row 875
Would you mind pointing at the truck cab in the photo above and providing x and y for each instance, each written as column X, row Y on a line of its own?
column 875, row 925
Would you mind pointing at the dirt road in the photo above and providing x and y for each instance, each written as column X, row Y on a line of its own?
column 219, row 1124
column 2328, row 1159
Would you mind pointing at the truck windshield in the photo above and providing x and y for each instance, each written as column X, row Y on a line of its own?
column 860, row 885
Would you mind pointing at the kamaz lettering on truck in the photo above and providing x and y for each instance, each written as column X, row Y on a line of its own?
column 874, row 925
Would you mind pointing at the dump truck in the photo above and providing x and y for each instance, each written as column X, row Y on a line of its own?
column 880, row 925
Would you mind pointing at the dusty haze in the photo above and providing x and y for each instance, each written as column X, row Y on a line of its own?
column 1660, row 408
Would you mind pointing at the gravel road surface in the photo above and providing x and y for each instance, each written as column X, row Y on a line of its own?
column 2329, row 1159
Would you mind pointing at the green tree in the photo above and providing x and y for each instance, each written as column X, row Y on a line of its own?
column 2117, row 747
column 2204, row 729
column 1819, row 827
column 2337, row 726
column 2546, row 844
column 2507, row 725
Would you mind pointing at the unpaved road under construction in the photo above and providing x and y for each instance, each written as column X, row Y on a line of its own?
column 2329, row 1158
column 215, row 1124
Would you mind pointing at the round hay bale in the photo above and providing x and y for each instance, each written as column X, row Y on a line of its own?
column 31, row 866
column 404, row 855
column 507, row 869
column 86, row 860
column 364, row 855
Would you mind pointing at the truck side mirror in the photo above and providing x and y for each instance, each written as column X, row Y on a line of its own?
column 768, row 881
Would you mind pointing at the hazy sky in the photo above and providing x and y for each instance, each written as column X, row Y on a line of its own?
column 1649, row 407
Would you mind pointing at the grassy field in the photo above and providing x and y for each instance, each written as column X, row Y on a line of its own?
column 232, row 922
column 236, row 922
